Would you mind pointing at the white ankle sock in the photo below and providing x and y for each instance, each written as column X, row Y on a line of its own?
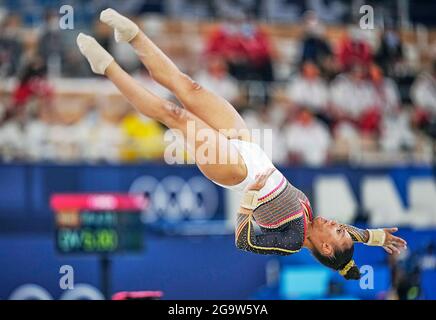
column 97, row 56
column 125, row 29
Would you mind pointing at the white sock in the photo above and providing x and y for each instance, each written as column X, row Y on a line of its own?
column 125, row 29
column 97, row 56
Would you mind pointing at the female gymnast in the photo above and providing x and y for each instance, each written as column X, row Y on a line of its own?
column 282, row 212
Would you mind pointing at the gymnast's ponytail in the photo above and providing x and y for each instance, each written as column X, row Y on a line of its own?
column 341, row 261
column 350, row 271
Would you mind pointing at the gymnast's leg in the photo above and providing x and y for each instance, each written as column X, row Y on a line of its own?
column 228, row 172
column 211, row 108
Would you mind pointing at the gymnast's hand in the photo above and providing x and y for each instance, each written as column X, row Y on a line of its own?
column 392, row 243
column 261, row 179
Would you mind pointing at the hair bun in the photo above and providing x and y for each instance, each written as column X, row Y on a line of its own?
column 350, row 271
column 353, row 273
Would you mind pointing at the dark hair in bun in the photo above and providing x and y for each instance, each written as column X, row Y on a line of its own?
column 341, row 261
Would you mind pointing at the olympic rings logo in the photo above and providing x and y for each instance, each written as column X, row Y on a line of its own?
column 176, row 199
column 32, row 291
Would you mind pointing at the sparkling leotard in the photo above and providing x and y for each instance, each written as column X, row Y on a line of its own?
column 282, row 216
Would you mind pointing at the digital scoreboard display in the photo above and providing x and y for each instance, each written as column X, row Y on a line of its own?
column 98, row 223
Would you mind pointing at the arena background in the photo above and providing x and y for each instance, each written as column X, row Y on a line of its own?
column 353, row 113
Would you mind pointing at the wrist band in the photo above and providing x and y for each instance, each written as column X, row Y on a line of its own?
column 249, row 199
column 377, row 237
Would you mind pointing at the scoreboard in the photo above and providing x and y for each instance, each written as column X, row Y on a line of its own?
column 98, row 223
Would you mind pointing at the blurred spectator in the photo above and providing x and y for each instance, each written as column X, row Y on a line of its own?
column 308, row 89
column 10, row 45
column 308, row 140
column 361, row 106
column 12, row 136
column 386, row 90
column 354, row 49
column 70, row 131
column 32, row 76
column 245, row 47
column 74, row 65
column 346, row 142
column 50, row 42
column 314, row 46
column 351, row 94
column 37, row 134
column 106, row 135
column 428, row 257
column 143, row 138
column 423, row 94
column 216, row 78
column 390, row 51
column 406, row 275
column 396, row 132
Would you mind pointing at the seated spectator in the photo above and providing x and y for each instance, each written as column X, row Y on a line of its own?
column 50, row 40
column 106, row 135
column 12, row 136
column 353, row 49
column 308, row 139
column 351, row 94
column 428, row 258
column 390, row 51
column 386, row 90
column 423, row 94
column 396, row 132
column 10, row 45
column 245, row 47
column 69, row 133
column 144, row 138
column 308, row 89
column 216, row 78
column 346, row 142
column 32, row 76
column 314, row 47
column 37, row 133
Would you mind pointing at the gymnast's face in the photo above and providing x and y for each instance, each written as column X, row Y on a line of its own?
column 328, row 236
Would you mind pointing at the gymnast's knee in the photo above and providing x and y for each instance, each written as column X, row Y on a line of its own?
column 173, row 112
column 188, row 84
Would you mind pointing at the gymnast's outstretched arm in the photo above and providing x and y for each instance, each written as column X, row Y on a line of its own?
column 377, row 237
